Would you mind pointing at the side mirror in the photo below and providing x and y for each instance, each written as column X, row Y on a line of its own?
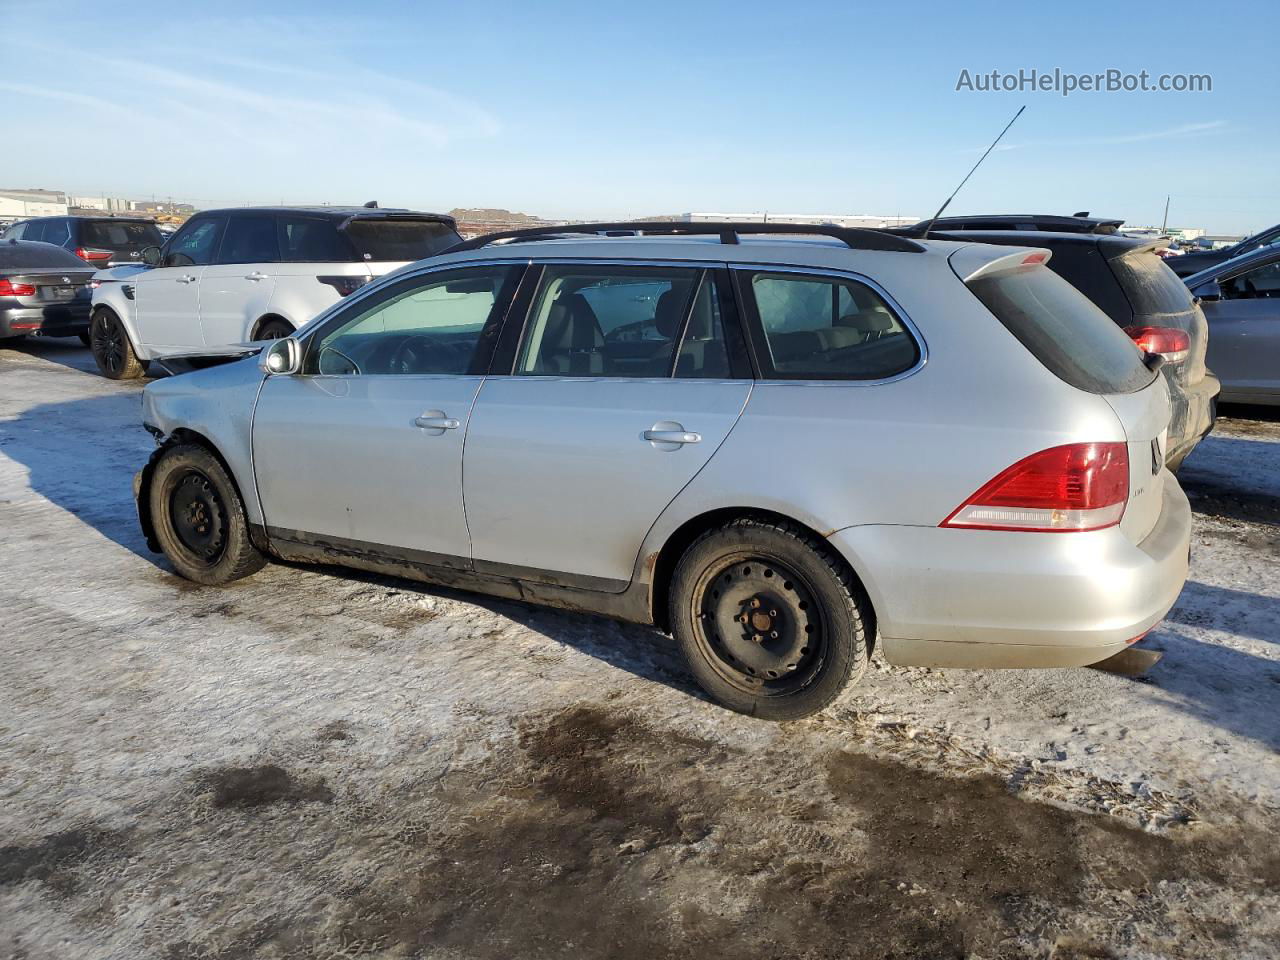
column 150, row 256
column 1208, row 291
column 281, row 357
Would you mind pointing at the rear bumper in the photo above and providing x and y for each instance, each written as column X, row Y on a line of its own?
column 1193, row 415
column 982, row 598
column 53, row 320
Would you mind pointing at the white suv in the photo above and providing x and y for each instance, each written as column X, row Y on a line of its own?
column 229, row 276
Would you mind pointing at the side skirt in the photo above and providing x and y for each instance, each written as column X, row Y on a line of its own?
column 536, row 586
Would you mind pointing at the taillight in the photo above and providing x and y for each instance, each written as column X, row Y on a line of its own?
column 1079, row 486
column 93, row 255
column 10, row 289
column 1169, row 342
column 344, row 285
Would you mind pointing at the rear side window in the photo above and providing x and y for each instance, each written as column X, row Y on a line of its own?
column 119, row 234
column 1152, row 288
column 826, row 328
column 399, row 240
column 1069, row 335
column 312, row 240
column 26, row 254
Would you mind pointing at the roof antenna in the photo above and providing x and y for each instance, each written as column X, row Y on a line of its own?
column 929, row 226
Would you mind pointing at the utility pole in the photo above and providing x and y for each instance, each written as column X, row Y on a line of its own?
column 1165, row 223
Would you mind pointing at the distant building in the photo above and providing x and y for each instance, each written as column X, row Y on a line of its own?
column 810, row 219
column 1186, row 234
column 103, row 204
column 20, row 204
column 161, row 206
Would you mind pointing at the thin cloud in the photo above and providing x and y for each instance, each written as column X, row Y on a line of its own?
column 1181, row 132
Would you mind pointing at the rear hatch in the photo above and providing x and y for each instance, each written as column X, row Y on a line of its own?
column 387, row 241
column 126, row 239
column 1160, row 299
column 1081, row 345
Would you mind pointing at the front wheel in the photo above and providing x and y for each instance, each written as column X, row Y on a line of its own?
column 769, row 619
column 199, row 517
column 112, row 350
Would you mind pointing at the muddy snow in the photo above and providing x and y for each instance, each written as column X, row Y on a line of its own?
column 319, row 764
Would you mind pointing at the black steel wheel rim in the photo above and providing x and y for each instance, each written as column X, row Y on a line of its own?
column 760, row 625
column 198, row 517
column 108, row 343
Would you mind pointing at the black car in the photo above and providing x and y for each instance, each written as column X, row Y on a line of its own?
column 43, row 289
column 1189, row 263
column 1125, row 278
column 101, row 241
column 1076, row 223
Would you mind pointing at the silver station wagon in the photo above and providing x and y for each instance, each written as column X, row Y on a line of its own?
column 782, row 444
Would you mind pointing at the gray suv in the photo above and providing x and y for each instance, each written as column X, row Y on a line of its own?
column 783, row 449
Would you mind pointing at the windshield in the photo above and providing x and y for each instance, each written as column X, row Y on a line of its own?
column 400, row 240
column 119, row 234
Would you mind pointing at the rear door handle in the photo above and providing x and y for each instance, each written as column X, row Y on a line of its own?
column 436, row 420
column 672, row 436
column 186, row 279
column 255, row 276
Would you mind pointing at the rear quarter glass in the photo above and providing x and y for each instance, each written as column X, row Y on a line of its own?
column 1070, row 336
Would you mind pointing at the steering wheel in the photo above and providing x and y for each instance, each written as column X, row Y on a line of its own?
column 412, row 354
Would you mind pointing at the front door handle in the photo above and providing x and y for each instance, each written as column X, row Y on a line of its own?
column 436, row 420
column 186, row 279
column 256, row 276
column 672, row 436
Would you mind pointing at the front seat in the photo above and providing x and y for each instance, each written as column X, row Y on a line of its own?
column 572, row 341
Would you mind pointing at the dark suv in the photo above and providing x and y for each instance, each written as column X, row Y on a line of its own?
column 100, row 241
column 1125, row 278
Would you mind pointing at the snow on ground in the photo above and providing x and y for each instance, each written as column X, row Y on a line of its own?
column 320, row 764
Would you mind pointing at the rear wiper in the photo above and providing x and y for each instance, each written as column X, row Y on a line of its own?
column 1153, row 361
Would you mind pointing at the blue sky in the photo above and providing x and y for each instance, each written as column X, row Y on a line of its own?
column 624, row 109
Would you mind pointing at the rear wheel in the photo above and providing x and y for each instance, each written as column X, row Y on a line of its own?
column 770, row 620
column 199, row 518
column 112, row 350
column 274, row 330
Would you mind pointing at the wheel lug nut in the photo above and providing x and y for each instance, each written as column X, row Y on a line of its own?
column 773, row 634
column 773, row 613
column 758, row 638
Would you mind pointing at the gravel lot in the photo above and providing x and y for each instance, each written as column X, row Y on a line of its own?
column 319, row 764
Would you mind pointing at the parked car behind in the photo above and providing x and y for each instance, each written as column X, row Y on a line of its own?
column 101, row 241
column 782, row 451
column 43, row 289
column 1241, row 301
column 1195, row 262
column 228, row 276
column 1126, row 279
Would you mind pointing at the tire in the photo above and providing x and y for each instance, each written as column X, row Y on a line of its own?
column 199, row 517
column 84, row 338
column 274, row 330
column 804, row 637
column 112, row 350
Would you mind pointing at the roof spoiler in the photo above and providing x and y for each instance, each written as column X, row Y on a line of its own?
column 983, row 259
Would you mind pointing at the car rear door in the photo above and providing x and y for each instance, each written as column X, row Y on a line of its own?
column 1244, row 333
column 236, row 289
column 615, row 392
column 167, row 298
column 362, row 450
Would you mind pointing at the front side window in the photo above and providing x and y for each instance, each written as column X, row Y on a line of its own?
column 430, row 325
column 249, row 239
column 14, row 232
column 592, row 320
column 194, row 244
column 1260, row 282
column 824, row 328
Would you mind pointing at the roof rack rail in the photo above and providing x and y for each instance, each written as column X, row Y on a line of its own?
column 855, row 238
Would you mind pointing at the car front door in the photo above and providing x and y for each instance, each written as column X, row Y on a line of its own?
column 362, row 449
column 1244, row 333
column 235, row 290
column 167, row 297
column 623, row 384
